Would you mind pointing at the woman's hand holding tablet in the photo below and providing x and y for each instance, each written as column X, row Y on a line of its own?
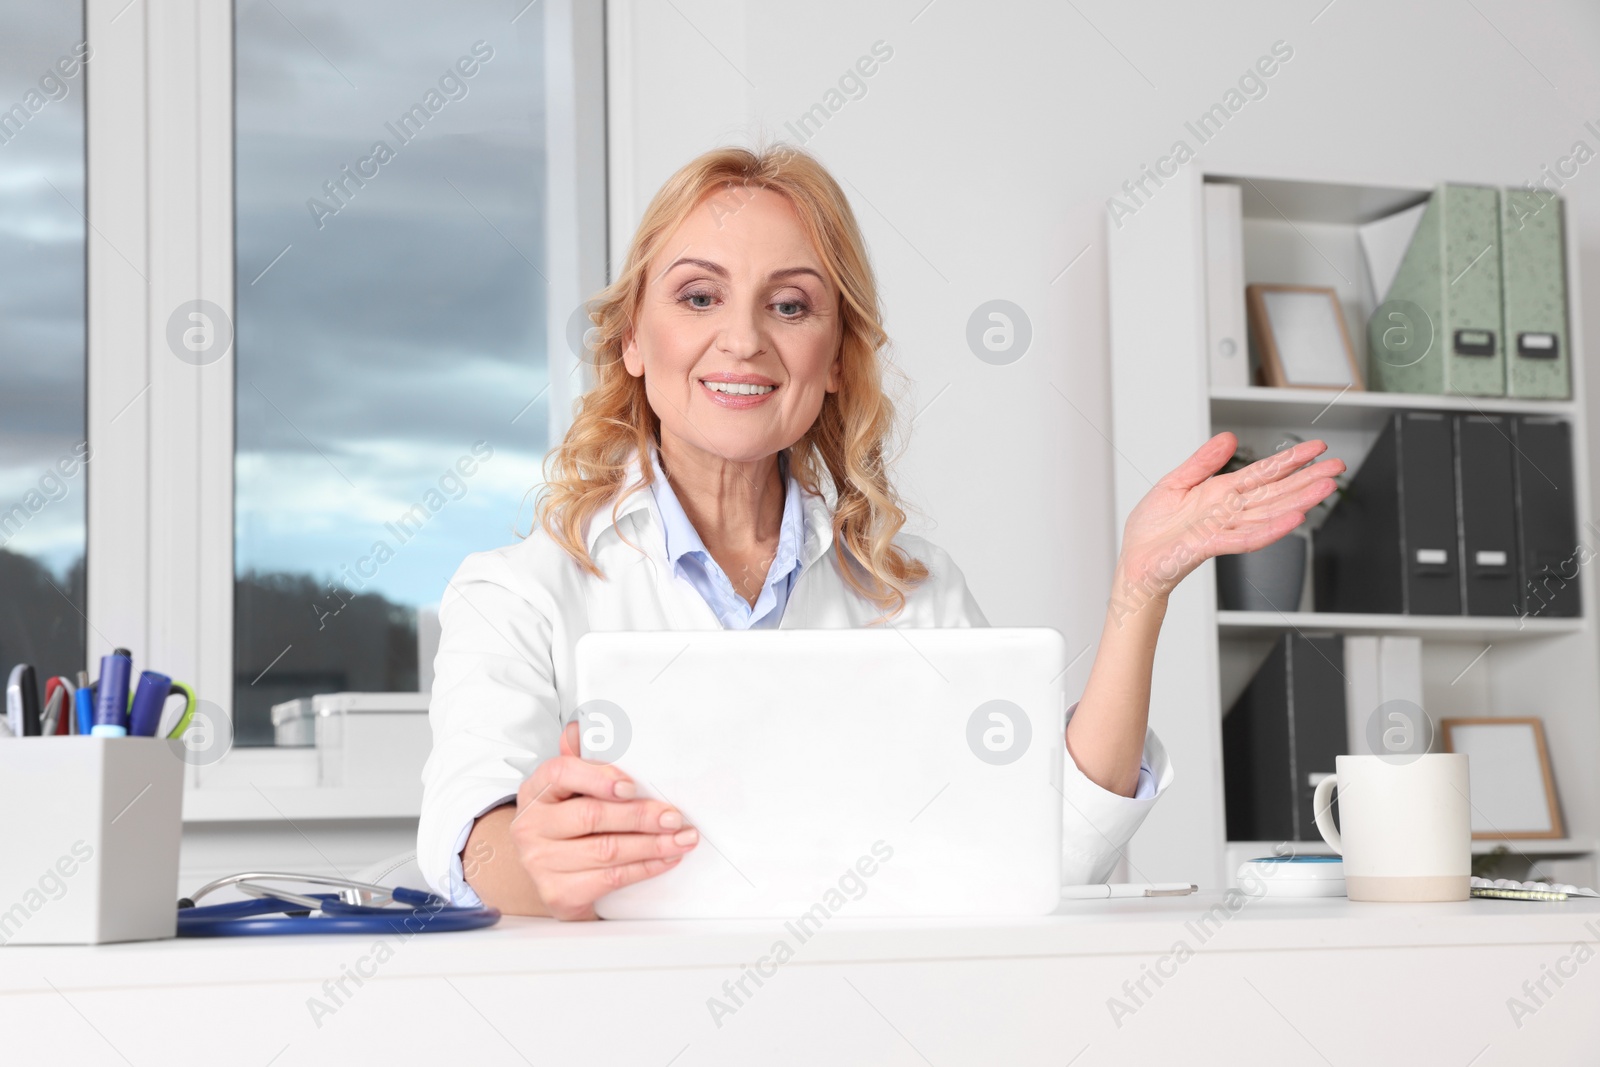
column 580, row 831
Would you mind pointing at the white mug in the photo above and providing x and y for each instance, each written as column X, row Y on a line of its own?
column 1407, row 825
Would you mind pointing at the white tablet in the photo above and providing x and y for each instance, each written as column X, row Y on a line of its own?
column 871, row 772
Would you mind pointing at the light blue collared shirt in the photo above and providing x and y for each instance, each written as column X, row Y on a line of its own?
column 693, row 561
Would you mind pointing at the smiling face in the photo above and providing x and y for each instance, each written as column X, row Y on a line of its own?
column 738, row 332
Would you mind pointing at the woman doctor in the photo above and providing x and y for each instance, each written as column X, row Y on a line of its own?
column 730, row 469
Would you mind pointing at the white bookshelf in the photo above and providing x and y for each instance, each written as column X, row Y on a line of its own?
column 1322, row 409
column 1432, row 627
column 1303, row 232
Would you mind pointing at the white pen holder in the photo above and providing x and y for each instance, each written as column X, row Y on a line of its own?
column 90, row 844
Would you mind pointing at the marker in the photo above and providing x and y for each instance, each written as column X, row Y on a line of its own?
column 149, row 697
column 111, row 702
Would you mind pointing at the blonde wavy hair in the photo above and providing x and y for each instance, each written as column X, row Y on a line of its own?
column 852, row 433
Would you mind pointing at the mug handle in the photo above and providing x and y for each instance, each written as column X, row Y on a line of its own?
column 1321, row 807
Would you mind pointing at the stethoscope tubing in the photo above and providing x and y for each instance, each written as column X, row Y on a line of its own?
column 260, row 917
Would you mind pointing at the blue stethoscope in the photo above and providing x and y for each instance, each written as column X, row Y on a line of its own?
column 358, row 908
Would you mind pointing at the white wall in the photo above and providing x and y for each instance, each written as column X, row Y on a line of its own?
column 981, row 159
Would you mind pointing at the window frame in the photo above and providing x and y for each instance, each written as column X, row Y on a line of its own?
column 160, row 206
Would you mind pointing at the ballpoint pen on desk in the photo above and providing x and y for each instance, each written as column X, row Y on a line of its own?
column 111, row 702
column 1127, row 889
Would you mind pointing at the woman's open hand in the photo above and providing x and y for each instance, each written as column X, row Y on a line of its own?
column 1194, row 513
column 581, row 831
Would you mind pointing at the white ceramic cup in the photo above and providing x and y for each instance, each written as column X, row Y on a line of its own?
column 1406, row 826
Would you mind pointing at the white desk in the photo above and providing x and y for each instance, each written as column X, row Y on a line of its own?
column 1310, row 982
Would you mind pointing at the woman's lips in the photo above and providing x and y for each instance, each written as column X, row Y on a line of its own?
column 737, row 400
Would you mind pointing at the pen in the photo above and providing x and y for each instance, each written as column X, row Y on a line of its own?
column 111, row 702
column 1127, row 889
column 83, row 705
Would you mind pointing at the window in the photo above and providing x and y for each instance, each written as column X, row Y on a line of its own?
column 43, row 449
column 285, row 296
column 390, row 323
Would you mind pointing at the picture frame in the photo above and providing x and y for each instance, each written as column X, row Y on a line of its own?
column 1301, row 338
column 1513, row 792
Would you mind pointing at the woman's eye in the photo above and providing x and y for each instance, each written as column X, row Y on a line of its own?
column 790, row 308
column 692, row 298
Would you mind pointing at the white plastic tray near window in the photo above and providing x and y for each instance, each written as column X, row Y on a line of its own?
column 363, row 740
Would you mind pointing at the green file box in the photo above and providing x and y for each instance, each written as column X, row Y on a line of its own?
column 1451, row 271
column 1534, row 295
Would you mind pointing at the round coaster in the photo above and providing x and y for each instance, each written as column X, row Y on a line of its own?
column 1294, row 876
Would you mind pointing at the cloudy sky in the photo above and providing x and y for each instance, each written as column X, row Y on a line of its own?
column 41, row 281
column 379, row 348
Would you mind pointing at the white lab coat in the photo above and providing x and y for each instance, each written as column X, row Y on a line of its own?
column 504, row 675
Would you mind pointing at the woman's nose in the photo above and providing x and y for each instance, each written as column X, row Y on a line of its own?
column 742, row 334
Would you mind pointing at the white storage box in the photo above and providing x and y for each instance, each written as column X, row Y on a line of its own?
column 91, row 841
column 372, row 740
column 294, row 724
